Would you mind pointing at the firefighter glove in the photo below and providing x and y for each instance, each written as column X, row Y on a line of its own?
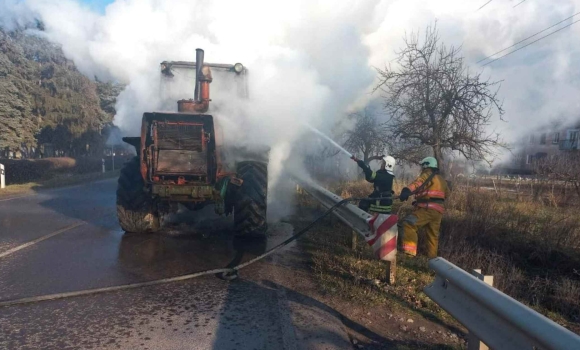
column 405, row 194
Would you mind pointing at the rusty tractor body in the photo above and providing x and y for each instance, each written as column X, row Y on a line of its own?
column 181, row 159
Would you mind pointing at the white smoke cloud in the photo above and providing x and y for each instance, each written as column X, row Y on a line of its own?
column 310, row 61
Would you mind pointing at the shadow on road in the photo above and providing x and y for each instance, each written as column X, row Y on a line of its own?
column 93, row 203
column 150, row 256
column 380, row 342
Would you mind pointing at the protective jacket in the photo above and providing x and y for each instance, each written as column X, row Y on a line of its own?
column 383, row 187
column 432, row 195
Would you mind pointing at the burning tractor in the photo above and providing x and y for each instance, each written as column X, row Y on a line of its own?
column 181, row 159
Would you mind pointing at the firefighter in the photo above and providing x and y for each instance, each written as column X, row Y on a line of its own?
column 430, row 190
column 383, row 185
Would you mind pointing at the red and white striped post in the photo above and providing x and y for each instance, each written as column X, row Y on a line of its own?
column 383, row 240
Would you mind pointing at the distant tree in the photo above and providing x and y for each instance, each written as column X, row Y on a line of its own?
column 62, row 139
column 563, row 167
column 45, row 135
column 40, row 87
column 91, row 143
column 368, row 138
column 108, row 93
column 434, row 102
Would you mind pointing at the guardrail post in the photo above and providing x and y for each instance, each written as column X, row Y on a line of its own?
column 103, row 165
column 391, row 271
column 354, row 240
column 473, row 342
column 2, row 176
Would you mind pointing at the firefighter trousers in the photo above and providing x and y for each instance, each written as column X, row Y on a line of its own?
column 429, row 219
column 383, row 206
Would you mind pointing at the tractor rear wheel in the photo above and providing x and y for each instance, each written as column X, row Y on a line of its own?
column 136, row 210
column 251, row 199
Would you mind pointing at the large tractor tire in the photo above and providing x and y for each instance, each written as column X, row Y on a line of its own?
column 135, row 208
column 251, row 199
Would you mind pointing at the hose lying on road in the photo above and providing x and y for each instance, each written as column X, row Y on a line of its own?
column 226, row 273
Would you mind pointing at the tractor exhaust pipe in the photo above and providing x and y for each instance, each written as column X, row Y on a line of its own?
column 198, row 74
column 200, row 102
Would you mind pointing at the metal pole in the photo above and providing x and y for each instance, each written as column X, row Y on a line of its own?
column 2, row 176
column 113, row 156
column 103, row 165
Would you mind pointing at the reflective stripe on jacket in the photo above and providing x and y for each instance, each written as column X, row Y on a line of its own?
column 435, row 190
column 378, row 207
column 430, row 205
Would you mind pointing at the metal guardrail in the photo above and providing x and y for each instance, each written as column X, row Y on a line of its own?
column 498, row 320
column 348, row 213
column 352, row 216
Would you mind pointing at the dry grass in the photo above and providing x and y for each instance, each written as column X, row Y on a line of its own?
column 531, row 247
column 356, row 275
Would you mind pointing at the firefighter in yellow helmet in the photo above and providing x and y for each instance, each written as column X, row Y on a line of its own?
column 430, row 191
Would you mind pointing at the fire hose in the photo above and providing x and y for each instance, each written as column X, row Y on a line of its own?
column 229, row 273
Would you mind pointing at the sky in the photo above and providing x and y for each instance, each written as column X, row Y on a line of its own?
column 98, row 5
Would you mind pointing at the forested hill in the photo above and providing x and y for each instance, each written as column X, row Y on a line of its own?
column 44, row 99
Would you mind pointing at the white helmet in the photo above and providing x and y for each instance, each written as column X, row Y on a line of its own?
column 389, row 163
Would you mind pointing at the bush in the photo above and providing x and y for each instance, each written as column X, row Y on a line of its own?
column 29, row 170
column 531, row 249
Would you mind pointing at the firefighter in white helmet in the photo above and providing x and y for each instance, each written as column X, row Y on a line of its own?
column 383, row 185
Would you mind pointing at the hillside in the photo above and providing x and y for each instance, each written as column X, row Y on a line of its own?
column 44, row 99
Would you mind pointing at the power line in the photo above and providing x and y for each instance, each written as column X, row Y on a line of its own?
column 545, row 36
column 519, row 3
column 482, row 6
column 531, row 36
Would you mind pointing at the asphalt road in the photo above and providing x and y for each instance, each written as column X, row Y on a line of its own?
column 89, row 250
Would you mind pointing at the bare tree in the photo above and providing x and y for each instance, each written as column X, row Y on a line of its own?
column 563, row 167
column 369, row 137
column 434, row 101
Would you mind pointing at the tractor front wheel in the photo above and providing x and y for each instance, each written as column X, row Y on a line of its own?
column 251, row 199
column 136, row 210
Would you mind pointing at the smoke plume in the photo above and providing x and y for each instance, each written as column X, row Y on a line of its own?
column 309, row 61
